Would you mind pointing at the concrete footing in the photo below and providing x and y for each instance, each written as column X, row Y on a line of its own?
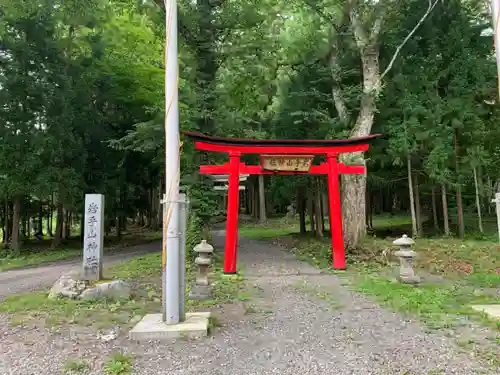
column 152, row 327
column 493, row 311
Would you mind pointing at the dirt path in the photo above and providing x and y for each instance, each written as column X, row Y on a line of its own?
column 299, row 322
column 30, row 279
column 305, row 322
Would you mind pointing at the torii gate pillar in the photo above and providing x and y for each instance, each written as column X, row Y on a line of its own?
column 233, row 204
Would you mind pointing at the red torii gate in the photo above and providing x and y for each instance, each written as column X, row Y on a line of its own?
column 283, row 156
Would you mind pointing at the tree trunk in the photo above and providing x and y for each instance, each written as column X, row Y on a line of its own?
column 414, row 224
column 488, row 195
column 28, row 227
column 154, row 209
column 49, row 219
column 59, row 225
column 460, row 211
column 310, row 209
column 65, row 225
column 480, row 183
column 354, row 186
column 262, row 200
column 5, row 224
column 478, row 200
column 326, row 204
column 40, row 220
column 255, row 198
column 301, row 208
column 434, row 209
column 368, row 209
column 249, row 198
column 247, row 203
column 23, row 226
column 119, row 225
column 353, row 209
column 322, row 212
column 418, row 208
column 317, row 209
column 370, row 218
column 10, row 214
column 159, row 205
column 150, row 208
column 50, row 216
column 446, row 220
column 69, row 217
column 16, row 219
column 82, row 226
column 123, row 215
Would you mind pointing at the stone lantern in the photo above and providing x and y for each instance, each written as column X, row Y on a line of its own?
column 406, row 255
column 201, row 288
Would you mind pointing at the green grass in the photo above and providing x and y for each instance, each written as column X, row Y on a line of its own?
column 437, row 305
column 144, row 272
column 75, row 366
column 99, row 313
column 463, row 274
column 278, row 227
column 266, row 233
column 388, row 221
column 118, row 364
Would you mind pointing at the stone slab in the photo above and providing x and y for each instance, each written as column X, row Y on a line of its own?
column 152, row 327
column 93, row 237
column 493, row 311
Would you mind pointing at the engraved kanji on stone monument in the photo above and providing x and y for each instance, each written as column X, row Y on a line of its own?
column 93, row 236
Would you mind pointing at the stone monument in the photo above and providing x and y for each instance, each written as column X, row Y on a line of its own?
column 93, row 237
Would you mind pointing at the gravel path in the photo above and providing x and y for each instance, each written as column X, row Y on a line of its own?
column 30, row 279
column 301, row 322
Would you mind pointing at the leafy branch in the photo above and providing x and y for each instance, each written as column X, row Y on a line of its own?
column 431, row 6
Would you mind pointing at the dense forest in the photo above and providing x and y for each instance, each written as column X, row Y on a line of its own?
column 82, row 107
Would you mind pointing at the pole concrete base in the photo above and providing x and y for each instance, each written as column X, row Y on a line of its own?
column 152, row 327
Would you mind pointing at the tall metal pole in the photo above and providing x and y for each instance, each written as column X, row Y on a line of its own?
column 183, row 216
column 171, row 238
column 495, row 11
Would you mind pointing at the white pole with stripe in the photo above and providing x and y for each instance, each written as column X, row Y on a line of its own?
column 171, row 236
column 495, row 11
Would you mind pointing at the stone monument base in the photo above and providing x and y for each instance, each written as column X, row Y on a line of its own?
column 200, row 292
column 410, row 279
column 152, row 327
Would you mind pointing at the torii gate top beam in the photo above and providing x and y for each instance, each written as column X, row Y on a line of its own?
column 279, row 146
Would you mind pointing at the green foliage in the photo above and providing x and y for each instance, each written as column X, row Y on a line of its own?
column 118, row 364
column 76, row 366
column 83, row 105
column 194, row 233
